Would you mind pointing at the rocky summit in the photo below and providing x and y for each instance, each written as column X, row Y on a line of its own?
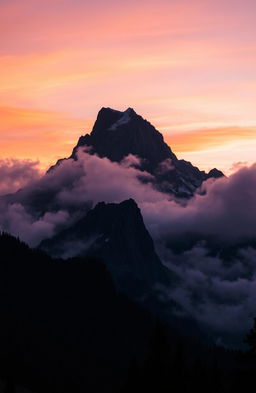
column 117, row 134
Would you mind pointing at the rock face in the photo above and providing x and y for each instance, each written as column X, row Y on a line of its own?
column 117, row 134
column 116, row 234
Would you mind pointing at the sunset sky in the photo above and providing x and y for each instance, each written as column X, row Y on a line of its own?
column 188, row 66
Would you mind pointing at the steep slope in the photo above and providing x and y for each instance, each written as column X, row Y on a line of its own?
column 64, row 328
column 116, row 234
column 117, row 134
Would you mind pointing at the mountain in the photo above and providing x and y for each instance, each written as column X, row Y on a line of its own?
column 64, row 328
column 116, row 234
column 117, row 134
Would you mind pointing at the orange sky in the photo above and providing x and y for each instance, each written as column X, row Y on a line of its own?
column 188, row 66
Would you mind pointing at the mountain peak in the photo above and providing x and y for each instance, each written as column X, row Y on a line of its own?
column 215, row 173
column 117, row 134
column 126, row 203
column 109, row 119
column 130, row 110
column 116, row 111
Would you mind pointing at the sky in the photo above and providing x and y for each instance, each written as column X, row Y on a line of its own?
column 187, row 66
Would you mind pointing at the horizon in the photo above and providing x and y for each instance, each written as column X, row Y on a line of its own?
column 184, row 66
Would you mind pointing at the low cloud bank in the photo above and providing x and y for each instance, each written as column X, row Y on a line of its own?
column 221, row 296
column 226, row 210
column 214, row 289
column 15, row 174
column 47, row 205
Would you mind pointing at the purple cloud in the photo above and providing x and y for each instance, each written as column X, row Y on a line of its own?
column 15, row 174
column 216, row 293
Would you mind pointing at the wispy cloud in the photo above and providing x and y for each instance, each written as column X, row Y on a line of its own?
column 205, row 139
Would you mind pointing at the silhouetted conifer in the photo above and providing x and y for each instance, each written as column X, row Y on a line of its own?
column 157, row 372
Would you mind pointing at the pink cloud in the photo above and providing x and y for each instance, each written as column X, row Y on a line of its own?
column 216, row 293
column 15, row 174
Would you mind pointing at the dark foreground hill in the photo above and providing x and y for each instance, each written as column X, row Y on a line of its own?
column 65, row 328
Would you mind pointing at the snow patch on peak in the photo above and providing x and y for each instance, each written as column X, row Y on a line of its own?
column 124, row 119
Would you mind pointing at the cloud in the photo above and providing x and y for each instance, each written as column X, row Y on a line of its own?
column 226, row 212
column 103, row 180
column 208, row 138
column 220, row 296
column 15, row 174
column 131, row 161
column 208, row 241
column 165, row 166
column 17, row 221
column 91, row 179
column 238, row 165
column 48, row 204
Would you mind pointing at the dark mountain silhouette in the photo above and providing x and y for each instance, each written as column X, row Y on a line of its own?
column 117, row 134
column 65, row 328
column 116, row 234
